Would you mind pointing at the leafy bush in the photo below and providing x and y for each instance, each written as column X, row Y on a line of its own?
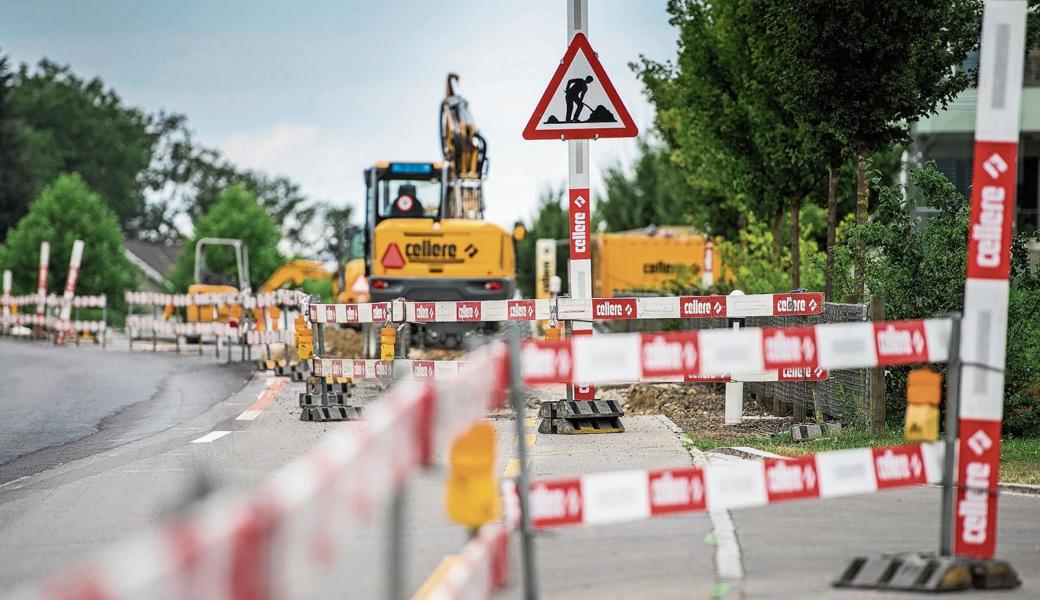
column 67, row 210
column 919, row 268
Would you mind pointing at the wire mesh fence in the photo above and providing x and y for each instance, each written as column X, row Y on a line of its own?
column 844, row 395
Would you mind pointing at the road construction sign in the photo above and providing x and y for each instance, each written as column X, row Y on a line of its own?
column 580, row 103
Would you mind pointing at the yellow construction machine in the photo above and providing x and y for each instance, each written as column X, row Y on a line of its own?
column 291, row 274
column 425, row 233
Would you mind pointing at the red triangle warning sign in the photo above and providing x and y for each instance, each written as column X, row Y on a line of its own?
column 392, row 258
column 580, row 102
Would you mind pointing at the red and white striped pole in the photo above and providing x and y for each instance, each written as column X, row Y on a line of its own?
column 5, row 302
column 41, row 286
column 579, row 204
column 70, row 290
column 984, row 329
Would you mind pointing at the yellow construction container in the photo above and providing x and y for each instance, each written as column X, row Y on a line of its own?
column 638, row 261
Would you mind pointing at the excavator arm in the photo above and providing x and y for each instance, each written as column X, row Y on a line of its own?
column 465, row 150
column 293, row 274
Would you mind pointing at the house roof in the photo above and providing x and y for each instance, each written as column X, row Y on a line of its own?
column 155, row 259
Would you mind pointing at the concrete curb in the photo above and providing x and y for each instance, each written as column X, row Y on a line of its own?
column 746, row 453
column 1020, row 488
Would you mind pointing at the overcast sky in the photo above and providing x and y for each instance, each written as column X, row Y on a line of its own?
column 318, row 91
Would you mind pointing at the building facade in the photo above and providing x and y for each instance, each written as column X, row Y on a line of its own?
column 948, row 139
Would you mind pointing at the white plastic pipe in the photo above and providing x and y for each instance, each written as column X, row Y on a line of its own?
column 735, row 390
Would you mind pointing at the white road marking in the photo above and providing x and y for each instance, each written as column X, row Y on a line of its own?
column 209, row 437
column 249, row 415
column 729, row 565
column 14, row 481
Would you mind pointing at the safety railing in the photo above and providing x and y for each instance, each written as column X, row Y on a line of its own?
column 38, row 315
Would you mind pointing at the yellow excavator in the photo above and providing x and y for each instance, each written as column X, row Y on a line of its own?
column 291, row 274
column 425, row 233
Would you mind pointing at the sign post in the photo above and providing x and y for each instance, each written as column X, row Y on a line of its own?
column 579, row 104
column 984, row 330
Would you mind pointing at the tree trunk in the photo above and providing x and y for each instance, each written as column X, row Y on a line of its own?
column 862, row 199
column 778, row 232
column 796, row 247
column 832, row 228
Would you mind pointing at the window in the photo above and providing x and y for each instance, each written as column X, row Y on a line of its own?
column 409, row 198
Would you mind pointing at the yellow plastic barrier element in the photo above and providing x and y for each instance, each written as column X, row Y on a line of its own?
column 304, row 339
column 472, row 497
column 387, row 343
column 923, row 394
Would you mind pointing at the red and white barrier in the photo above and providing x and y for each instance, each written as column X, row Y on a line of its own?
column 137, row 325
column 630, row 357
column 280, row 336
column 275, row 541
column 572, row 309
column 984, row 329
column 483, row 564
column 51, row 322
column 618, row 496
column 368, row 368
column 41, row 275
column 70, row 290
column 284, row 298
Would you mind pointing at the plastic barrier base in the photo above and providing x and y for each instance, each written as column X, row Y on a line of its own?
column 269, row 364
column 314, row 386
column 298, row 371
column 332, row 413
column 926, row 572
column 580, row 416
column 308, row 399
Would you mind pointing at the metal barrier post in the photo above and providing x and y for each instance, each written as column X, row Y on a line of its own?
column 516, row 395
column 395, row 547
column 104, row 323
column 319, row 347
column 949, row 487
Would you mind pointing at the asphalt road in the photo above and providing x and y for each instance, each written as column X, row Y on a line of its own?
column 72, row 509
column 60, row 405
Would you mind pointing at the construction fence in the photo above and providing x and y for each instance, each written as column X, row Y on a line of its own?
column 844, row 395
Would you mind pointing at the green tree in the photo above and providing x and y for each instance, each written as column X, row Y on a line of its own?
column 17, row 184
column 236, row 215
column 67, row 210
column 70, row 125
column 919, row 268
column 188, row 179
column 716, row 109
column 550, row 222
column 750, row 260
column 863, row 73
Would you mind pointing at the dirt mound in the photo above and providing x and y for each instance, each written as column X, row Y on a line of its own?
column 343, row 343
column 697, row 408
